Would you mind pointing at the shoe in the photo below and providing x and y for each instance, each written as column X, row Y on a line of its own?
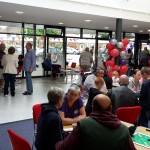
column 12, row 95
column 6, row 96
column 26, row 93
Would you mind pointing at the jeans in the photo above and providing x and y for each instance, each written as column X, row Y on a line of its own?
column 29, row 85
column 144, row 119
column 9, row 79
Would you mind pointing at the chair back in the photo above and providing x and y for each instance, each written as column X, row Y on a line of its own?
column 18, row 142
column 73, row 65
column 36, row 112
column 129, row 114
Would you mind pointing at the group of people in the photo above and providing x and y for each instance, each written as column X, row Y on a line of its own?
column 10, row 65
column 100, row 130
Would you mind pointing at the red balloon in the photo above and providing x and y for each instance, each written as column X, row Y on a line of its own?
column 125, row 41
column 115, row 68
column 114, row 53
column 109, row 53
column 110, row 63
column 110, row 73
column 109, row 46
column 123, row 69
column 123, row 48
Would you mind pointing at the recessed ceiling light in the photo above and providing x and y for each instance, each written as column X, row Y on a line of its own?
column 135, row 26
column 148, row 30
column 0, row 16
column 141, row 31
column 60, row 23
column 3, row 27
column 106, row 27
column 19, row 12
column 87, row 20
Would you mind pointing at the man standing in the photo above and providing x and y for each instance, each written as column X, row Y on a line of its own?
column 29, row 65
column 101, row 130
column 122, row 96
column 144, row 98
column 86, row 60
column 2, row 48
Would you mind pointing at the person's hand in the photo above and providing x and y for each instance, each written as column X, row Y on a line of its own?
column 30, row 70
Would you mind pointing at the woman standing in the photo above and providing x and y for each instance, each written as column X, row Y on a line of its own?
column 10, row 64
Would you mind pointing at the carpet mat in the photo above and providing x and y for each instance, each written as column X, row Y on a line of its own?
column 24, row 128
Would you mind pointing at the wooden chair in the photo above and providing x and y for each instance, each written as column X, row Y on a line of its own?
column 18, row 142
column 129, row 114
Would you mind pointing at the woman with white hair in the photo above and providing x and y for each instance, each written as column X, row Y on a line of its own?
column 72, row 109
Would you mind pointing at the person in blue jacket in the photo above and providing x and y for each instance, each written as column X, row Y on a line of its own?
column 49, row 127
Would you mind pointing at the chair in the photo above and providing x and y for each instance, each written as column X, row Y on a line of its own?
column 46, row 69
column 18, row 142
column 36, row 113
column 129, row 114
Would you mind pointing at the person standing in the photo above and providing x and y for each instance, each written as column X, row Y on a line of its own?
column 144, row 98
column 86, row 59
column 10, row 64
column 29, row 65
column 2, row 53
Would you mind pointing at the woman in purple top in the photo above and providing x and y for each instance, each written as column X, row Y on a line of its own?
column 72, row 110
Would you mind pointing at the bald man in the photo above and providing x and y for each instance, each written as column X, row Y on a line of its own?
column 122, row 96
column 2, row 53
column 101, row 130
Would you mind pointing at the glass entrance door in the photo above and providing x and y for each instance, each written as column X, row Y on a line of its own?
column 55, row 47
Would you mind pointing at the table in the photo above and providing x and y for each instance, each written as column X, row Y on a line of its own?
column 139, row 129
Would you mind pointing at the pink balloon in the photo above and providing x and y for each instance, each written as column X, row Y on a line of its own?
column 114, row 53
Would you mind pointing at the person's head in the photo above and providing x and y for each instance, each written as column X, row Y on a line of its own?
column 101, row 102
column 55, row 96
column 124, row 80
column 145, row 72
column 11, row 50
column 115, row 74
column 28, row 45
column 87, row 49
column 99, row 82
column 145, row 49
column 49, row 55
column 2, row 47
column 99, row 72
column 137, row 74
column 73, row 93
column 129, row 50
column 20, row 57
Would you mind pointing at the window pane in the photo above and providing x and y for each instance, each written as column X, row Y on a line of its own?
column 28, row 29
column 39, row 30
column 114, row 35
column 73, row 32
column 130, row 36
column 103, row 35
column 89, row 33
column 10, row 27
column 53, row 31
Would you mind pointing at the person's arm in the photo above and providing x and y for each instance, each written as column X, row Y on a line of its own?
column 68, row 121
column 82, row 112
column 72, row 141
column 33, row 61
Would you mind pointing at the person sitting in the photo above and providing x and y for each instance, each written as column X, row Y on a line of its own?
column 122, row 96
column 102, row 130
column 89, row 82
column 49, row 127
column 99, row 82
column 115, row 77
column 135, row 82
column 47, row 64
column 72, row 109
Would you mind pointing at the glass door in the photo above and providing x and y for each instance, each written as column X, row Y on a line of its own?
column 55, row 47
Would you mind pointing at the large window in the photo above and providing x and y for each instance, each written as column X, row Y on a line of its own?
column 89, row 33
column 73, row 32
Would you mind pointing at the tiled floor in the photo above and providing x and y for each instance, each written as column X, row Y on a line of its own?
column 20, row 106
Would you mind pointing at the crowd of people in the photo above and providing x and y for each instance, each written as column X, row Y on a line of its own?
column 93, row 110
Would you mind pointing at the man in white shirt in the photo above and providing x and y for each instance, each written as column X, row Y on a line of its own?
column 89, row 82
column 85, row 60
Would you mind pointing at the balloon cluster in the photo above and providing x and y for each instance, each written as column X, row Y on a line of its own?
column 114, row 48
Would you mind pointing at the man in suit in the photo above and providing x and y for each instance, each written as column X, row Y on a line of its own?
column 122, row 96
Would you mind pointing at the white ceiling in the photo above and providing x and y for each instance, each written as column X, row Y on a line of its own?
column 47, row 16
